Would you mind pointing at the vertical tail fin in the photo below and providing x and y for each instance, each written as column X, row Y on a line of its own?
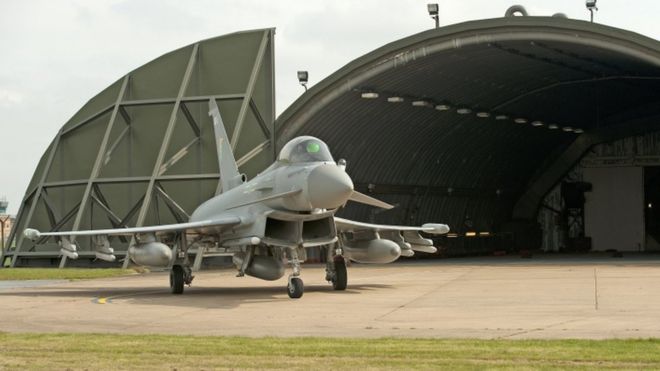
column 229, row 175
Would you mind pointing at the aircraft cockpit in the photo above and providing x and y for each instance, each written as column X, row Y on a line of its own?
column 305, row 149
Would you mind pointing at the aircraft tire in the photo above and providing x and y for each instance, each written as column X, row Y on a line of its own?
column 340, row 280
column 176, row 279
column 295, row 288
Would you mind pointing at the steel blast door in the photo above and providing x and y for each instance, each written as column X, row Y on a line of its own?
column 614, row 209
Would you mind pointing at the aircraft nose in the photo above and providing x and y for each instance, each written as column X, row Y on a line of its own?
column 328, row 187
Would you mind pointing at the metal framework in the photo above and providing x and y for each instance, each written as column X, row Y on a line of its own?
column 142, row 151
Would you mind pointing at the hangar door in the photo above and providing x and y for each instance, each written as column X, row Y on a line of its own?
column 614, row 209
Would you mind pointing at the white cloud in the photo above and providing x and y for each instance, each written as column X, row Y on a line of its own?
column 10, row 98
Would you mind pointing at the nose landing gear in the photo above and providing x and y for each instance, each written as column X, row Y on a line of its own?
column 295, row 287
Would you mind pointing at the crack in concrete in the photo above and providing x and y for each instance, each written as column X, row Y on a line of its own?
column 436, row 288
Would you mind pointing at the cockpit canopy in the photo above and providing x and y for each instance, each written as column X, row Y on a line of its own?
column 305, row 149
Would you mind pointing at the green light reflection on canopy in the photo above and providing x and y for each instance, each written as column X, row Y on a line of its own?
column 313, row 147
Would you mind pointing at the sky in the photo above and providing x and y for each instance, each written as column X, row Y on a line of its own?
column 57, row 54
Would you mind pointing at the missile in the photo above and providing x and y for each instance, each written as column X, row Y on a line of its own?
column 435, row 228
column 68, row 249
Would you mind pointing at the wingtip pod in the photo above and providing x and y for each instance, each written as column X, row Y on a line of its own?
column 435, row 228
column 31, row 234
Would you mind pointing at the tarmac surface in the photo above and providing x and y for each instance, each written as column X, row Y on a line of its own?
column 455, row 298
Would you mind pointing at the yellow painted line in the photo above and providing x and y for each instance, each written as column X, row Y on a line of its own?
column 109, row 299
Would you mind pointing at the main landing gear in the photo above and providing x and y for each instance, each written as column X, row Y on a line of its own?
column 340, row 278
column 335, row 270
column 180, row 275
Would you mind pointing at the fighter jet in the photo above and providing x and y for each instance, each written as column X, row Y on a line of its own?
column 265, row 222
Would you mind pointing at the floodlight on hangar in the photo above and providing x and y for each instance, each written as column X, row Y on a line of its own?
column 591, row 6
column 303, row 77
column 443, row 107
column 369, row 95
column 537, row 123
column 501, row 117
column 578, row 131
column 553, row 126
column 434, row 11
column 395, row 99
column 463, row 111
column 520, row 120
column 567, row 129
column 483, row 114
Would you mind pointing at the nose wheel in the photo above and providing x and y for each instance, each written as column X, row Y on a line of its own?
column 295, row 288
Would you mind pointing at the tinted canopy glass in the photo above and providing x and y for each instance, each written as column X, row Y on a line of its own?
column 305, row 149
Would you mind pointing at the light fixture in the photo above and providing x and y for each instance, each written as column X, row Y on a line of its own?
column 370, row 95
column 501, row 117
column 567, row 129
column 537, row 123
column 395, row 99
column 484, row 234
column 483, row 114
column 470, row 234
column 578, row 131
column 303, row 77
column 443, row 107
column 452, row 235
column 433, row 12
column 463, row 111
column 553, row 127
column 420, row 103
column 591, row 6
column 520, row 120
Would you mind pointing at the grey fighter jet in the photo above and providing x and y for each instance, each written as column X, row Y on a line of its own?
column 267, row 221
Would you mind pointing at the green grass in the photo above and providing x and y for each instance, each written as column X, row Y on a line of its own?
column 60, row 274
column 168, row 352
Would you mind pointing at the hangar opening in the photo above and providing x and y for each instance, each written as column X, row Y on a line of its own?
column 521, row 133
column 499, row 127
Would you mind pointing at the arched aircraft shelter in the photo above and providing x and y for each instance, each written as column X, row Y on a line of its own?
column 519, row 132
column 474, row 124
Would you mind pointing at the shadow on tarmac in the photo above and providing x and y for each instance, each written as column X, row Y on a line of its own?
column 193, row 297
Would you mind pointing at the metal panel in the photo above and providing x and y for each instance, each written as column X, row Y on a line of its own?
column 612, row 220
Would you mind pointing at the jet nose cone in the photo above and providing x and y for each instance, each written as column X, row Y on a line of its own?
column 328, row 187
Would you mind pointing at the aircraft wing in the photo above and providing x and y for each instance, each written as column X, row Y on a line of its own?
column 198, row 226
column 407, row 237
